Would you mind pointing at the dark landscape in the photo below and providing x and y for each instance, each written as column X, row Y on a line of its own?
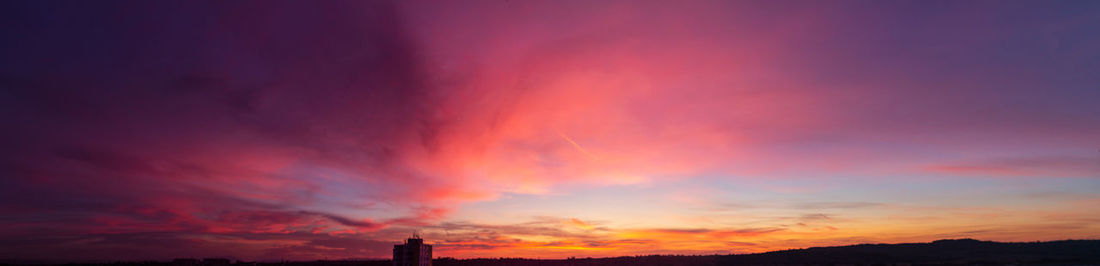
column 940, row 252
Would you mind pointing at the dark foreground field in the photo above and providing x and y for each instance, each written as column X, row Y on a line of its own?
column 941, row 252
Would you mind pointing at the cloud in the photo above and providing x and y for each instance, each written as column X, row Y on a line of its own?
column 679, row 234
column 835, row 205
column 804, row 205
column 365, row 224
column 1049, row 166
column 558, row 236
column 815, row 217
column 195, row 137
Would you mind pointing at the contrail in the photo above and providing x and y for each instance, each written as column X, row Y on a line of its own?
column 578, row 146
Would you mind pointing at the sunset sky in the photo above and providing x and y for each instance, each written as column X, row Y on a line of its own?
column 301, row 130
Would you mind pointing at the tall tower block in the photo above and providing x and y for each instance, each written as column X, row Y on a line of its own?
column 413, row 253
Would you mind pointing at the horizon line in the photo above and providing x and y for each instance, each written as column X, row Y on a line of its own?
column 233, row 261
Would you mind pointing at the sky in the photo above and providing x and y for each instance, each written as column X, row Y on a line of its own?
column 294, row 130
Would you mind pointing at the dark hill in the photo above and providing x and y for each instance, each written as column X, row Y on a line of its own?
column 958, row 251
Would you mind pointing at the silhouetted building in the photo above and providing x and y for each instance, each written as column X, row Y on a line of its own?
column 413, row 253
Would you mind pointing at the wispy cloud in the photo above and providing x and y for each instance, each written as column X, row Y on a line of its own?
column 1048, row 166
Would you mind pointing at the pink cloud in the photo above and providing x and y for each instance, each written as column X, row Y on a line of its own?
column 1027, row 166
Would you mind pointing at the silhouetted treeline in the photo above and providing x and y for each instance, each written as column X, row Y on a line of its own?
column 941, row 252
